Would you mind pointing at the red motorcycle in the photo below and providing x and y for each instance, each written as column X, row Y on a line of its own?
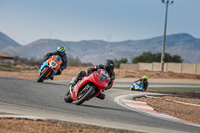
column 88, row 87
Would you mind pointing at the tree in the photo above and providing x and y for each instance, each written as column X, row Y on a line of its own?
column 156, row 57
column 77, row 62
column 118, row 62
column 26, row 61
column 74, row 61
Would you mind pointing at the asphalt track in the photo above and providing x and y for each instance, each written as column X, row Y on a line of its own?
column 46, row 100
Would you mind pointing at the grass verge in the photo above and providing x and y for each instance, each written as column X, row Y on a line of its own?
column 9, row 68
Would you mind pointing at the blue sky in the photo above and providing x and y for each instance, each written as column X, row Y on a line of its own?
column 26, row 21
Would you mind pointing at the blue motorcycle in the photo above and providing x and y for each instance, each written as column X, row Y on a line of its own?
column 137, row 86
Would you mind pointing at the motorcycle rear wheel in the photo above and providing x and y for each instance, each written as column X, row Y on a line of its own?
column 43, row 75
column 85, row 96
column 67, row 97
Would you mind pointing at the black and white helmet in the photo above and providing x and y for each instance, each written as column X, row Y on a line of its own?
column 109, row 65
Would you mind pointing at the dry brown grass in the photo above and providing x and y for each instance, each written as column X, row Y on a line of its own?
column 67, row 74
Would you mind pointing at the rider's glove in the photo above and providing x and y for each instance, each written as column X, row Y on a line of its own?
column 81, row 74
column 89, row 71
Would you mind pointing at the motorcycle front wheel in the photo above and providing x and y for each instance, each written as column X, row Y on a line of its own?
column 67, row 97
column 43, row 75
column 84, row 95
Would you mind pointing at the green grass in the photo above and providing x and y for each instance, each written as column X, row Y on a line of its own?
column 165, row 88
column 9, row 68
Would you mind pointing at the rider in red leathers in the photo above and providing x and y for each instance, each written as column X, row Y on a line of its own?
column 108, row 66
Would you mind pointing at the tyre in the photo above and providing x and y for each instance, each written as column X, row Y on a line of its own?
column 67, row 97
column 84, row 95
column 43, row 75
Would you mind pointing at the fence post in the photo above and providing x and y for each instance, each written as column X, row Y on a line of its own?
column 181, row 67
column 195, row 72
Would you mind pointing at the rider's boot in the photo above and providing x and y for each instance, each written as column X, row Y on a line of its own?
column 59, row 72
column 131, row 89
column 52, row 78
column 101, row 95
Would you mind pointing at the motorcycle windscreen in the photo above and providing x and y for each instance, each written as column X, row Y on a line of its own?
column 139, row 85
column 58, row 58
column 104, row 75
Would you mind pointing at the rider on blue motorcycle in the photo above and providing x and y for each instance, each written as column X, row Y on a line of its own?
column 61, row 52
column 145, row 82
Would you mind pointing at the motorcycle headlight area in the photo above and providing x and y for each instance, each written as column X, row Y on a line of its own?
column 53, row 64
column 104, row 75
column 57, row 58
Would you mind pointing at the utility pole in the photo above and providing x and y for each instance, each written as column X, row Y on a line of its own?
column 167, row 2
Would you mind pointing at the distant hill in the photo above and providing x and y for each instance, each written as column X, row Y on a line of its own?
column 96, row 51
column 7, row 42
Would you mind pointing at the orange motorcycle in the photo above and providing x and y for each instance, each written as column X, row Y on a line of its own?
column 49, row 68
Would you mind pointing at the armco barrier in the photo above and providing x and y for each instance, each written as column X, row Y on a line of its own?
column 191, row 68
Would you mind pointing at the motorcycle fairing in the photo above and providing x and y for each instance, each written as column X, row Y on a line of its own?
column 103, row 76
column 42, row 67
column 93, row 78
column 78, row 86
column 45, row 64
column 137, row 86
column 99, row 78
